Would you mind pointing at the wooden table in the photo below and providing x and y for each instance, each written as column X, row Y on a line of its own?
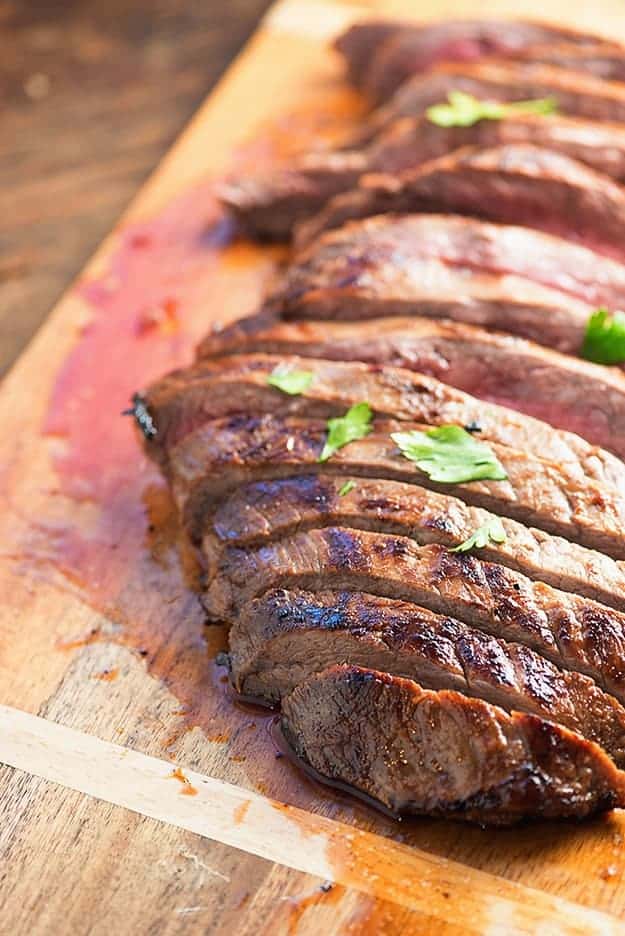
column 136, row 798
column 93, row 94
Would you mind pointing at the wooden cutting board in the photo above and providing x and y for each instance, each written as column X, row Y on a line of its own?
column 136, row 796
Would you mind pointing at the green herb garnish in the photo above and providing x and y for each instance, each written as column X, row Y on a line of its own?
column 604, row 341
column 292, row 382
column 464, row 110
column 347, row 487
column 450, row 454
column 355, row 424
column 492, row 531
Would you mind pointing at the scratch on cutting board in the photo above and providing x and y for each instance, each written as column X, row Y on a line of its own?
column 197, row 864
column 184, row 910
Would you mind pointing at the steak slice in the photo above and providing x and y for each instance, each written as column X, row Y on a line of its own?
column 584, row 398
column 285, row 637
column 428, row 289
column 239, row 384
column 343, row 264
column 390, row 68
column 381, row 54
column 442, row 754
column 261, row 511
column 517, row 183
column 572, row 632
column 574, row 94
column 269, row 205
column 223, row 454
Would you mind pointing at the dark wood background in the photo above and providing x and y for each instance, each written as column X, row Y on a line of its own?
column 92, row 94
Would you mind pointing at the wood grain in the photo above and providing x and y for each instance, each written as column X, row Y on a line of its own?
column 100, row 629
column 93, row 94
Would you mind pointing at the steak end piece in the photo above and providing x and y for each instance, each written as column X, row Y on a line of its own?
column 440, row 753
column 284, row 637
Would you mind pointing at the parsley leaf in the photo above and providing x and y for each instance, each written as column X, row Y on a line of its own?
column 491, row 531
column 347, row 487
column 355, row 424
column 464, row 110
column 604, row 341
column 292, row 382
column 450, row 454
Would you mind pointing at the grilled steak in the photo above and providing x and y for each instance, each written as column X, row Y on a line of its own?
column 262, row 511
column 347, row 262
column 454, row 649
column 572, row 632
column 391, row 67
column 285, row 637
column 516, row 184
column 381, row 55
column 440, row 753
column 223, row 454
column 429, row 289
column 574, row 395
column 574, row 94
column 269, row 205
column 239, row 384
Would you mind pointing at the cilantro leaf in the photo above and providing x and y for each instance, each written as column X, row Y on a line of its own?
column 492, row 531
column 355, row 424
column 292, row 382
column 450, row 454
column 464, row 110
column 604, row 341
column 346, row 488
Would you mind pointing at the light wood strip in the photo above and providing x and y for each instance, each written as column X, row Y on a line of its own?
column 232, row 816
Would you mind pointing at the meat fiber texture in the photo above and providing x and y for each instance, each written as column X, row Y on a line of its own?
column 453, row 649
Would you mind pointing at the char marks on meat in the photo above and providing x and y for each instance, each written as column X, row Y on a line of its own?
column 439, row 614
column 285, row 637
column 569, row 394
column 572, row 632
column 224, row 386
column 262, row 511
column 443, row 754
column 222, row 454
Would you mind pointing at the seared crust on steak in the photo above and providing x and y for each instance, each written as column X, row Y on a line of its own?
column 570, row 394
column 261, row 511
column 442, row 754
column 285, row 637
column 573, row 632
column 222, row 454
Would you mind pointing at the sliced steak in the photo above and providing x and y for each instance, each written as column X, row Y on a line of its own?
column 269, row 205
column 262, row 511
column 574, row 94
column 342, row 265
column 572, row 632
column 390, row 68
column 570, row 394
column 285, row 637
column 442, row 754
column 239, row 384
column 223, row 454
column 518, row 183
column 381, row 54
column 425, row 288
